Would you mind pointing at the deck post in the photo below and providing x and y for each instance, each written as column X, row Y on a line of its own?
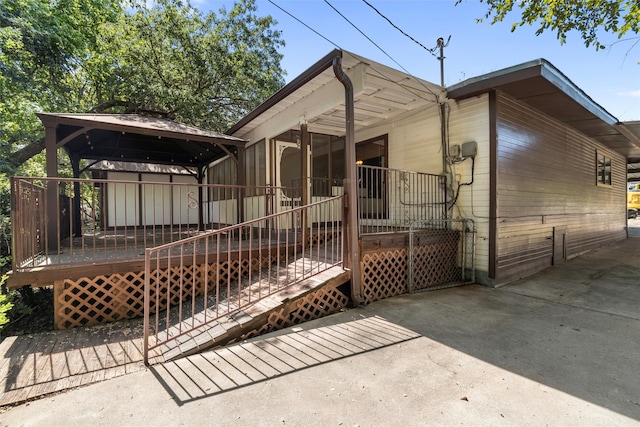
column 52, row 201
column 352, row 250
column 304, row 172
column 76, row 206
column 201, row 198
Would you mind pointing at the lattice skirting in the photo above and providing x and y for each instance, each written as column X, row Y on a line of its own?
column 436, row 265
column 384, row 274
column 322, row 302
column 108, row 298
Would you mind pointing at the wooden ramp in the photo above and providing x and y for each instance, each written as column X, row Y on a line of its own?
column 32, row 366
column 314, row 297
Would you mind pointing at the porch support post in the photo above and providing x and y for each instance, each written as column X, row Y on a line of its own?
column 52, row 210
column 241, row 182
column 350, row 220
column 304, row 172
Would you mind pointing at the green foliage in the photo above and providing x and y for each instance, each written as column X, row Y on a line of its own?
column 26, row 310
column 106, row 56
column 206, row 70
column 587, row 17
column 5, row 307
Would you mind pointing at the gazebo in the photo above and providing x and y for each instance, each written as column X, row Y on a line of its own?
column 129, row 138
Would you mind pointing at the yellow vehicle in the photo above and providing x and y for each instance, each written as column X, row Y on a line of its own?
column 633, row 200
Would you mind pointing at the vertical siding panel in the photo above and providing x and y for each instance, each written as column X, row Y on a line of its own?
column 547, row 179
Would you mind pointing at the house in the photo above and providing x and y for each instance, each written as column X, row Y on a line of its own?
column 537, row 165
column 393, row 183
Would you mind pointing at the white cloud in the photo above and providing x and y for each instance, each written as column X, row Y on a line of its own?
column 631, row 93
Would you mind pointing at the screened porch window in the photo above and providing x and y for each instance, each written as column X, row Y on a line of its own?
column 222, row 173
column 256, row 165
column 327, row 163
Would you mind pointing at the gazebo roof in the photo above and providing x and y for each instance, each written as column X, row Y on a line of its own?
column 139, row 139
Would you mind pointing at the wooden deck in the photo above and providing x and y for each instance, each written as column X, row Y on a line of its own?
column 116, row 251
column 36, row 365
column 32, row 366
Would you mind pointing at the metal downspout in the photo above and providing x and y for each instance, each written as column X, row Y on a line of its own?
column 350, row 185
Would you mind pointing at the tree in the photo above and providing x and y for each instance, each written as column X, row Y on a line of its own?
column 42, row 46
column 125, row 56
column 99, row 56
column 588, row 17
column 205, row 70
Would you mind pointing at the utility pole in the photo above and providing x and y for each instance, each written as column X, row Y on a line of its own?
column 441, row 45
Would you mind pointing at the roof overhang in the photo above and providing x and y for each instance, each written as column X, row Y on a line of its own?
column 318, row 98
column 138, row 139
column 542, row 86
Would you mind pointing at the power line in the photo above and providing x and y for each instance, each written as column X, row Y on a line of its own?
column 334, row 44
column 378, row 71
column 432, row 50
column 366, row 36
column 383, row 51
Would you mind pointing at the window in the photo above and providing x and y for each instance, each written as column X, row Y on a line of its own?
column 603, row 169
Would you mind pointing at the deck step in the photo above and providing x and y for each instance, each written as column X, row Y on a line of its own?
column 231, row 328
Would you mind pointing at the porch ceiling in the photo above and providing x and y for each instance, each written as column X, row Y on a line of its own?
column 542, row 86
column 380, row 93
column 140, row 139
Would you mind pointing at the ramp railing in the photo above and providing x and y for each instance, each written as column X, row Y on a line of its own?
column 199, row 280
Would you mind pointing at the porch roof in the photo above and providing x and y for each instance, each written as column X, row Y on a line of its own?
column 542, row 86
column 140, row 139
column 380, row 93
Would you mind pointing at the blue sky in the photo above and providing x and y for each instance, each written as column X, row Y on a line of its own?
column 610, row 77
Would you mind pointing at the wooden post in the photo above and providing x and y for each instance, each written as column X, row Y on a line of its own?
column 200, row 198
column 52, row 201
column 58, row 290
column 304, row 173
column 75, row 207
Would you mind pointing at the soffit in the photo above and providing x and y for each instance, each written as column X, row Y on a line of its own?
column 136, row 138
column 543, row 87
column 382, row 93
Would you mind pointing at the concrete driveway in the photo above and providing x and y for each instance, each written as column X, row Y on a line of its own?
column 559, row 348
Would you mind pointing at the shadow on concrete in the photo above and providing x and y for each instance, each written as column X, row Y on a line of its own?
column 574, row 327
column 236, row 366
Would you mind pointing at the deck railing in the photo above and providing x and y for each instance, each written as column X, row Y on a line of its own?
column 392, row 199
column 100, row 220
column 199, row 280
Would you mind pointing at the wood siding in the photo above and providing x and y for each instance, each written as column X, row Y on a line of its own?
column 469, row 121
column 546, row 178
column 415, row 144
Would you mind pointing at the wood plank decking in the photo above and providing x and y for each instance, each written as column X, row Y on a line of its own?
column 35, row 365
